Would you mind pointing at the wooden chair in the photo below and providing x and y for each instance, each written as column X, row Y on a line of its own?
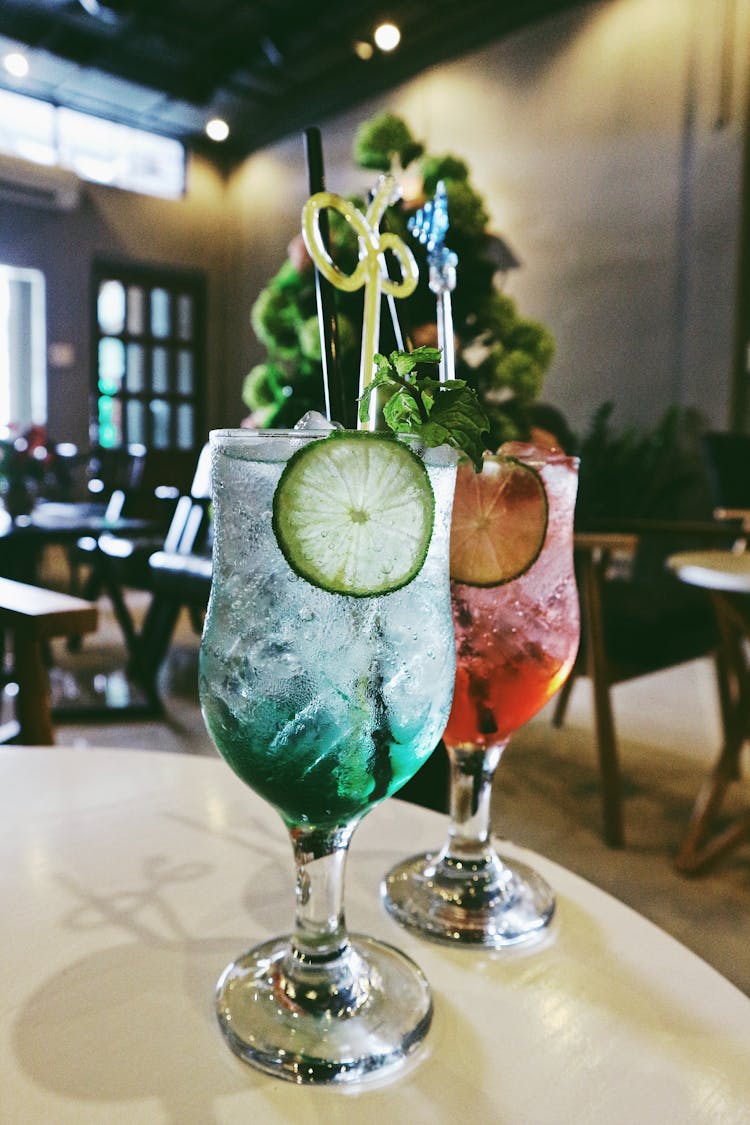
column 727, row 460
column 726, row 576
column 707, row 839
column 180, row 578
column 636, row 619
column 132, row 492
column 119, row 559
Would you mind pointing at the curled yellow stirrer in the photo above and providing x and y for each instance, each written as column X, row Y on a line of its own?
column 369, row 272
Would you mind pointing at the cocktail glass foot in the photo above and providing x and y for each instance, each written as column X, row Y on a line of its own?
column 491, row 901
column 361, row 1014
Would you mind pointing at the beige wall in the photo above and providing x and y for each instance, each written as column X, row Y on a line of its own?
column 593, row 137
column 192, row 233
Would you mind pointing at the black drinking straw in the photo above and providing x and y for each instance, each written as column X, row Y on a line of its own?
column 337, row 404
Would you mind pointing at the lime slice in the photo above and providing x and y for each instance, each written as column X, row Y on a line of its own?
column 499, row 521
column 353, row 513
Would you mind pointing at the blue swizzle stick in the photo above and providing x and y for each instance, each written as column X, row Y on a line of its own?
column 430, row 226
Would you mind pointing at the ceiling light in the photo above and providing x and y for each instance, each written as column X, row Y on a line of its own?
column 16, row 64
column 363, row 49
column 387, row 36
column 217, row 129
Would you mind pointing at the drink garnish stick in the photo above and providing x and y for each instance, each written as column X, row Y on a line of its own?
column 403, row 343
column 337, row 407
column 430, row 226
column 368, row 272
column 391, row 302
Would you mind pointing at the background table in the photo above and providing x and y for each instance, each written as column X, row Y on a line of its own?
column 129, row 879
column 726, row 577
column 714, row 570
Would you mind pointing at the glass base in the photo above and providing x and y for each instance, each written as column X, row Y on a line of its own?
column 494, row 903
column 362, row 1016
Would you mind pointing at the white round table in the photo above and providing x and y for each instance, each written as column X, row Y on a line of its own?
column 726, row 577
column 130, row 878
column 714, row 570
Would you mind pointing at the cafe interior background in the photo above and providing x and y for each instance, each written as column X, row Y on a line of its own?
column 608, row 141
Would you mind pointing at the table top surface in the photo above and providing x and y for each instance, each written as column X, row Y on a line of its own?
column 714, row 570
column 53, row 522
column 23, row 600
column 130, row 878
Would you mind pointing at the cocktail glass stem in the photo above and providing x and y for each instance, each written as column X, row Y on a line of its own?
column 466, row 892
column 468, row 858
column 322, row 972
column 472, row 772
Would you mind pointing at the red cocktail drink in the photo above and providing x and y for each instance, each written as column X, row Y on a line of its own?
column 516, row 621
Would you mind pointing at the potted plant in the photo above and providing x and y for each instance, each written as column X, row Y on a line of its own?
column 503, row 355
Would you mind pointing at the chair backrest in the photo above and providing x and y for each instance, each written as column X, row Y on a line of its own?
column 108, row 470
column 159, row 478
column 201, row 486
column 190, row 525
column 728, row 465
column 167, row 468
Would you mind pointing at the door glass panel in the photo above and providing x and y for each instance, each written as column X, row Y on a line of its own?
column 160, row 313
column 184, row 372
column 136, row 298
column 134, row 378
column 111, row 364
column 160, row 416
column 159, row 371
column 136, row 419
column 185, row 317
column 185, row 426
column 110, row 307
column 110, row 430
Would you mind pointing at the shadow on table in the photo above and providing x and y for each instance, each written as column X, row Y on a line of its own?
column 134, row 1021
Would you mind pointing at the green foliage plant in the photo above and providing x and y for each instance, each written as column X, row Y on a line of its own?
column 500, row 354
column 642, row 473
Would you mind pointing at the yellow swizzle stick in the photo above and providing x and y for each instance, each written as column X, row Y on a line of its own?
column 368, row 272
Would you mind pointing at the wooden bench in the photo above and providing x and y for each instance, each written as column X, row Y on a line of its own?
column 33, row 616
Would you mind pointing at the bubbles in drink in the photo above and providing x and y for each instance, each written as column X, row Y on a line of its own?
column 516, row 642
column 322, row 703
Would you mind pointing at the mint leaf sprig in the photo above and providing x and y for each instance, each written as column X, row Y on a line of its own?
column 438, row 413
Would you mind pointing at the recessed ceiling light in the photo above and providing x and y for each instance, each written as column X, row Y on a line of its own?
column 363, row 49
column 387, row 36
column 217, row 129
column 16, row 64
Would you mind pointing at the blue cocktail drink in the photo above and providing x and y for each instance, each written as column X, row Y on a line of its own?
column 327, row 669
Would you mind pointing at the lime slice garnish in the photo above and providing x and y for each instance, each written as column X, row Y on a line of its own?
column 499, row 521
column 353, row 513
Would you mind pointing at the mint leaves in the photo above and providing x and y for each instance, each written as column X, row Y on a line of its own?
column 437, row 413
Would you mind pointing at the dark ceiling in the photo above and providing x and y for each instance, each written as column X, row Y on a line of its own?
column 269, row 67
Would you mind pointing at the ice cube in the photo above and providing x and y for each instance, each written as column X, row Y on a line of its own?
column 314, row 420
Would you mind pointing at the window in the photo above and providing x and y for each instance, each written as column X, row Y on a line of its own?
column 148, row 357
column 93, row 148
column 23, row 345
